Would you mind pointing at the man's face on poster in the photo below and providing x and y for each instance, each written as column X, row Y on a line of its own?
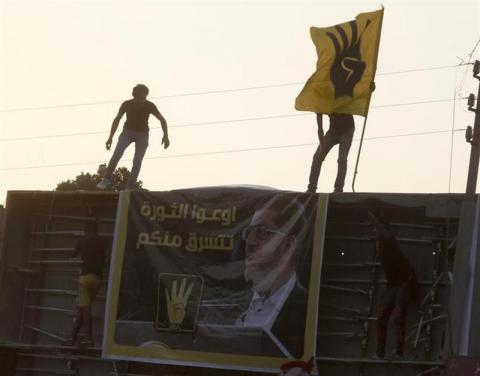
column 268, row 249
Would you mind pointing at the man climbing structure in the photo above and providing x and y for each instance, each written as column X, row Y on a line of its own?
column 402, row 287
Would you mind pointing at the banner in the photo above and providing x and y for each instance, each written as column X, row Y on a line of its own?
column 346, row 66
column 215, row 277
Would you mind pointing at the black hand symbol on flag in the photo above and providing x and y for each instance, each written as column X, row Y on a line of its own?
column 348, row 67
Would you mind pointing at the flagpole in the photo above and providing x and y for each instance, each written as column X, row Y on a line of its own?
column 359, row 150
column 368, row 108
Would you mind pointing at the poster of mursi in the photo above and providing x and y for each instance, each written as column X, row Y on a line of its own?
column 215, row 277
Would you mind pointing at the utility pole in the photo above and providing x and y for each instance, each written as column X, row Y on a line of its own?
column 473, row 137
column 464, row 304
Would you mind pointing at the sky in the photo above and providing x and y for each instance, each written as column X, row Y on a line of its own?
column 225, row 75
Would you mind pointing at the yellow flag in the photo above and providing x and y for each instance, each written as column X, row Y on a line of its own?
column 346, row 65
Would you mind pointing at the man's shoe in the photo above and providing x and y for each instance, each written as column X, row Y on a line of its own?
column 103, row 184
column 69, row 341
column 86, row 342
column 397, row 356
column 378, row 356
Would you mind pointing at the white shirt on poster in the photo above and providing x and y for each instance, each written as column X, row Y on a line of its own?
column 263, row 311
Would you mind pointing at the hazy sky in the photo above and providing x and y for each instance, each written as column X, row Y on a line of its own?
column 67, row 65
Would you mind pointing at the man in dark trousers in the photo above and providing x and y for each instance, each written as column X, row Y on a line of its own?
column 402, row 287
column 135, row 130
column 342, row 127
column 91, row 249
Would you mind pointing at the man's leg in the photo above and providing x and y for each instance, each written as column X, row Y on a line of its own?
column 141, row 144
column 343, row 149
column 123, row 141
column 386, row 307
column 77, row 324
column 399, row 319
column 317, row 161
column 93, row 283
column 82, row 299
column 87, row 319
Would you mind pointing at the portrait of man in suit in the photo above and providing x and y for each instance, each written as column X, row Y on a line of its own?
column 274, row 243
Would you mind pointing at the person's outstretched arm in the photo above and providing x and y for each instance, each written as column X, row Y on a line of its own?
column 114, row 127
column 163, row 122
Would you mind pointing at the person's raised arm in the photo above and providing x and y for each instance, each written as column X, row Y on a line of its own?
column 114, row 127
column 163, row 122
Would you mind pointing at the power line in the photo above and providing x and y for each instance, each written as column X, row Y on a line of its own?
column 450, row 164
column 196, row 124
column 208, row 92
column 216, row 122
column 187, row 155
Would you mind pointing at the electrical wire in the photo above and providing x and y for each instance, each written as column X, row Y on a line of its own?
column 208, row 92
column 216, row 122
column 226, row 151
column 450, row 167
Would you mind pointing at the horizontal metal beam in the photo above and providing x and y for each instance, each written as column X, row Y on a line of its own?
column 69, row 249
column 371, row 239
column 47, row 371
column 341, row 334
column 43, row 348
column 75, row 217
column 50, row 309
column 56, row 262
column 345, row 289
column 62, row 356
column 363, row 361
column 359, row 319
column 395, row 224
column 53, row 291
column 351, row 265
column 68, row 312
column 341, row 308
column 377, row 282
column 29, row 271
column 66, row 233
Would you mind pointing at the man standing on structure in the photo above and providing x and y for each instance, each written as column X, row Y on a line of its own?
column 91, row 249
column 402, row 286
column 342, row 127
column 135, row 130
column 340, row 132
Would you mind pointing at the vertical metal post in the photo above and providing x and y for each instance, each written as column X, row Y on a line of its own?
column 370, row 308
column 475, row 151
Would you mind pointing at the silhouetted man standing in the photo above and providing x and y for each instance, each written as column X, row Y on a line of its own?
column 135, row 130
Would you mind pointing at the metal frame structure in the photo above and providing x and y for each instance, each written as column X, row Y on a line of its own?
column 346, row 321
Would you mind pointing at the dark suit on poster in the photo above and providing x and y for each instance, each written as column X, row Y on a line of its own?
column 289, row 327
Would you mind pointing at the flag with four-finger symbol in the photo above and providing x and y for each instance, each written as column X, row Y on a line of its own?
column 346, row 65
